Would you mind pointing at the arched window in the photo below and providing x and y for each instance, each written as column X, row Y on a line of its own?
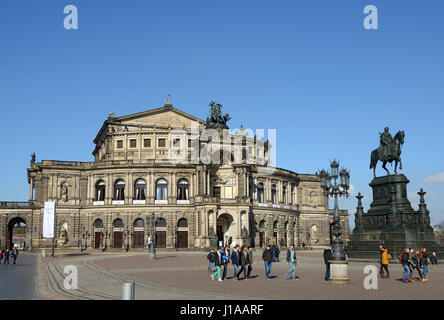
column 100, row 190
column 182, row 190
column 98, row 224
column 119, row 190
column 275, row 225
column 139, row 223
column 262, row 226
column 260, row 193
column 140, row 190
column 182, row 223
column 161, row 189
column 161, row 223
column 118, row 223
column 273, row 193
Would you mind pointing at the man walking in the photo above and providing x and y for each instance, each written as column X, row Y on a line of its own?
column 14, row 256
column 327, row 256
column 6, row 257
column 274, row 250
column 244, row 262
column 385, row 262
column 250, row 260
column 291, row 260
column 225, row 260
column 216, row 257
column 404, row 259
column 267, row 256
column 381, row 267
column 235, row 259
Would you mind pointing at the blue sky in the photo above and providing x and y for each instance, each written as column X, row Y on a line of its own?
column 309, row 69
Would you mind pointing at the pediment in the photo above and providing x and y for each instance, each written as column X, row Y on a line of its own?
column 161, row 117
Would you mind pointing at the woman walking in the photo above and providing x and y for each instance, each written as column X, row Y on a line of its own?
column 384, row 264
column 416, row 263
column 216, row 257
column 250, row 260
column 225, row 260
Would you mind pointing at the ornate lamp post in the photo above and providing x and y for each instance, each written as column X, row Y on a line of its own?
column 333, row 189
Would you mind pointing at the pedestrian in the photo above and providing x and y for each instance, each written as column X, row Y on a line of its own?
column 433, row 258
column 235, row 260
column 385, row 262
column 425, row 263
column 225, row 260
column 381, row 270
column 404, row 260
column 14, row 256
column 411, row 265
column 250, row 262
column 274, row 250
column 211, row 267
column 216, row 258
column 244, row 262
column 327, row 256
column 416, row 263
column 267, row 256
column 6, row 257
column 292, row 261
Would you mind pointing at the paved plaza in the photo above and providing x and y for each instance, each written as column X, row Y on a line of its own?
column 19, row 282
column 184, row 275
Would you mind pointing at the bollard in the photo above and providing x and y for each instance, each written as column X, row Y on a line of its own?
column 43, row 253
column 128, row 291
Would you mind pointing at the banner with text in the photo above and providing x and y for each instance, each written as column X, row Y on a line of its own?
column 48, row 219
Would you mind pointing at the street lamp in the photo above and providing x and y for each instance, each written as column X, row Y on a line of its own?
column 331, row 188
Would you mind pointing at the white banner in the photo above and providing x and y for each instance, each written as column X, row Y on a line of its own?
column 48, row 219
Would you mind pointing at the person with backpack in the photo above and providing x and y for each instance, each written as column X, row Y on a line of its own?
column 267, row 256
column 385, row 260
column 211, row 267
column 292, row 261
column 404, row 260
column 216, row 258
column 225, row 260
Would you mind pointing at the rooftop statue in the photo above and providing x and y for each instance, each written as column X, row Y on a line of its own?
column 216, row 119
column 389, row 150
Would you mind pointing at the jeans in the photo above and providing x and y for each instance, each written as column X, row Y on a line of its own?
column 327, row 272
column 406, row 272
column 426, row 269
column 211, row 266
column 224, row 273
column 235, row 267
column 268, row 266
column 292, row 269
column 250, row 268
column 217, row 273
column 242, row 267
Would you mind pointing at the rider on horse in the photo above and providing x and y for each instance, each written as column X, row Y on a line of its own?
column 385, row 139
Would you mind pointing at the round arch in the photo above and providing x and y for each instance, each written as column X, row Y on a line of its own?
column 225, row 229
column 17, row 229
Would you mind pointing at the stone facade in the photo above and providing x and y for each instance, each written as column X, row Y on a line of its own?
column 110, row 202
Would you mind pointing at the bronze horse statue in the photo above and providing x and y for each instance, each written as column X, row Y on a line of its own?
column 394, row 154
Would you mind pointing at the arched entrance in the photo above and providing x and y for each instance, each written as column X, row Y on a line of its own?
column 225, row 229
column 182, row 233
column 118, row 234
column 16, row 233
column 139, row 233
column 160, row 233
column 98, row 234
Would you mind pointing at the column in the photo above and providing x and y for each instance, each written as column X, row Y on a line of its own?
column 31, row 189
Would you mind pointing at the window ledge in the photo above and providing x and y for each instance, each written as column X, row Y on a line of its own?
column 262, row 204
column 160, row 201
column 98, row 203
column 183, row 201
column 118, row 202
column 139, row 201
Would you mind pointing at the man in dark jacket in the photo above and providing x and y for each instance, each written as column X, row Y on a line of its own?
column 267, row 256
column 6, row 257
column 292, row 261
column 274, row 250
column 327, row 256
column 404, row 257
column 381, row 268
column 235, row 260
column 244, row 262
column 14, row 256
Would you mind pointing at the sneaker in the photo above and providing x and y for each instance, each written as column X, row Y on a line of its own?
column 247, row 278
column 236, row 279
column 220, row 280
column 212, row 277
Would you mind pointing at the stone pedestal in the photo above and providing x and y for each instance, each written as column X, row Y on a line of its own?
column 339, row 272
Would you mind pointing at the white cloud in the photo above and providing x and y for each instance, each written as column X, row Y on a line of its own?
column 352, row 190
column 439, row 178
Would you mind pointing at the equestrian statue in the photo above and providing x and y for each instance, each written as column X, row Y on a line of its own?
column 389, row 150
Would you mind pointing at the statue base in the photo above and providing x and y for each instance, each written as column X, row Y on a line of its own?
column 391, row 221
column 339, row 272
